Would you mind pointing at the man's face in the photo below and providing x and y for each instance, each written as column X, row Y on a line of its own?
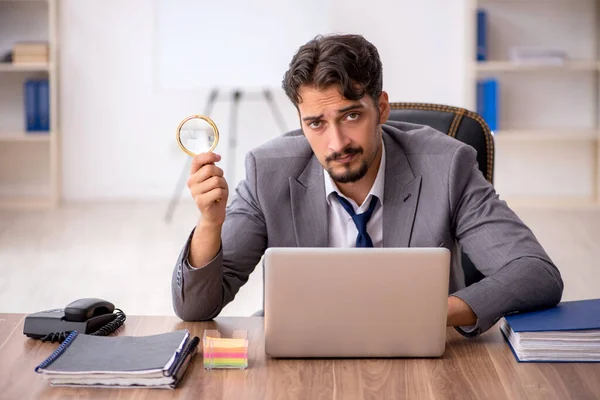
column 345, row 135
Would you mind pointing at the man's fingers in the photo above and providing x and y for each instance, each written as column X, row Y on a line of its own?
column 202, row 159
column 207, row 200
column 209, row 184
column 206, row 182
column 204, row 173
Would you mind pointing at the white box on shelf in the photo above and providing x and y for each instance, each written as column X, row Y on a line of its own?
column 536, row 55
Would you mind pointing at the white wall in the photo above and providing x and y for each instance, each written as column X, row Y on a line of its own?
column 110, row 106
column 110, row 102
column 422, row 45
column 232, row 46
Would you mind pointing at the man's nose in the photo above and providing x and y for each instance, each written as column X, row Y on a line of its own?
column 337, row 140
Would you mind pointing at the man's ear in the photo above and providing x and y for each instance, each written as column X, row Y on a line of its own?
column 384, row 107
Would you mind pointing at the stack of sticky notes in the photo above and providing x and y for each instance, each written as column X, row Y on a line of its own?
column 225, row 352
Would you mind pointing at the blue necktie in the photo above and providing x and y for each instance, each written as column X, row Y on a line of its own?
column 360, row 220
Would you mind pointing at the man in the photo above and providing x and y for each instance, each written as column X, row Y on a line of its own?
column 405, row 185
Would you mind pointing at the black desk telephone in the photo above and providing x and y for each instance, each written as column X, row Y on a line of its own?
column 91, row 316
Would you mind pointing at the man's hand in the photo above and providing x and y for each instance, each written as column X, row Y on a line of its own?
column 208, row 188
column 459, row 313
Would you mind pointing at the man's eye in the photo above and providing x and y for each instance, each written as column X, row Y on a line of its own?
column 352, row 116
column 315, row 124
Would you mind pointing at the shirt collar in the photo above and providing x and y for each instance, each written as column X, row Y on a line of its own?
column 376, row 189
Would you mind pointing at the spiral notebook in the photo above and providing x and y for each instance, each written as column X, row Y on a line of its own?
column 157, row 361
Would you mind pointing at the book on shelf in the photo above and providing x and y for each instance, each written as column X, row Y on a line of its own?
column 488, row 101
column 569, row 332
column 37, row 105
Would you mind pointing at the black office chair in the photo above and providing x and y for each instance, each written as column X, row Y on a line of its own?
column 464, row 125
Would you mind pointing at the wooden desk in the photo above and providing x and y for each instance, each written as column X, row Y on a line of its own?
column 481, row 368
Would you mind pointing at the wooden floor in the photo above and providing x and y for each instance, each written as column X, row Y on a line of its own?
column 125, row 253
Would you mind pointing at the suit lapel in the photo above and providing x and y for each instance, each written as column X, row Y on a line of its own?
column 309, row 207
column 400, row 200
column 400, row 197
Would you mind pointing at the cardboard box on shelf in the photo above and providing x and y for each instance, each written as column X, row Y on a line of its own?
column 30, row 52
column 31, row 48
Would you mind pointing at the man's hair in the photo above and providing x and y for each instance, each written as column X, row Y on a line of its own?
column 349, row 61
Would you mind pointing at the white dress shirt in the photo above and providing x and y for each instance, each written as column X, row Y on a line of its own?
column 342, row 230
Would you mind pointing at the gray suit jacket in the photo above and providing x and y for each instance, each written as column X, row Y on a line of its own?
column 434, row 195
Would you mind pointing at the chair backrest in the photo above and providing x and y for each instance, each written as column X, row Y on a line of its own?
column 464, row 125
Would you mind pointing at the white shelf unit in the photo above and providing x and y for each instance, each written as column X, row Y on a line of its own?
column 13, row 137
column 9, row 67
column 29, row 161
column 548, row 136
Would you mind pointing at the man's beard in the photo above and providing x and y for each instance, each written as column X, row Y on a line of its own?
column 349, row 176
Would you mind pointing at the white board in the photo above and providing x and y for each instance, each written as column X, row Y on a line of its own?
column 234, row 43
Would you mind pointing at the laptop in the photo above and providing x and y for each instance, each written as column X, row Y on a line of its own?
column 356, row 302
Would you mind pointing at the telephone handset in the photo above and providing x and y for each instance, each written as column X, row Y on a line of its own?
column 90, row 316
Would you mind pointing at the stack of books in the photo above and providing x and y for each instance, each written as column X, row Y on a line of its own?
column 30, row 52
column 569, row 332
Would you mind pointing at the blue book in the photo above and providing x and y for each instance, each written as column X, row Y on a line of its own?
column 482, row 53
column 43, row 105
column 569, row 332
column 30, row 97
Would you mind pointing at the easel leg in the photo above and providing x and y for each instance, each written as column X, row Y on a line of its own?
column 183, row 176
column 237, row 95
column 275, row 111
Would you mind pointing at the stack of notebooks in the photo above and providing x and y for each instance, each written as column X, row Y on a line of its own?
column 157, row 361
column 569, row 332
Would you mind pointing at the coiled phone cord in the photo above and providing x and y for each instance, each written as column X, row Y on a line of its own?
column 106, row 330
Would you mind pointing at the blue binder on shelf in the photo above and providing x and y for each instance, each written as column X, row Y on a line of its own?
column 482, row 48
column 487, row 101
column 37, row 105
column 43, row 105
column 30, row 96
column 569, row 332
